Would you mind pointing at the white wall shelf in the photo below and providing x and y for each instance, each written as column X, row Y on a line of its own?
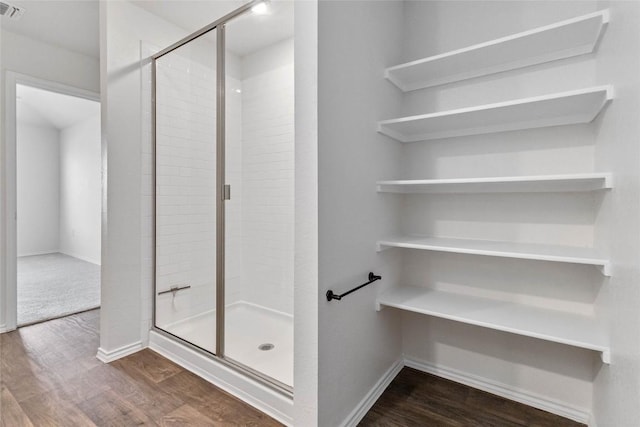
column 510, row 184
column 561, row 40
column 566, row 39
column 578, row 106
column 550, row 325
column 539, row 252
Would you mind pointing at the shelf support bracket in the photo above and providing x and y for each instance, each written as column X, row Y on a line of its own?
column 381, row 247
column 605, row 269
column 606, row 357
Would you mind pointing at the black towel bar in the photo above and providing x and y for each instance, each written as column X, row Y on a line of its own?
column 331, row 295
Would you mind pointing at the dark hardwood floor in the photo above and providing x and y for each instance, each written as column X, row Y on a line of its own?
column 415, row 398
column 50, row 376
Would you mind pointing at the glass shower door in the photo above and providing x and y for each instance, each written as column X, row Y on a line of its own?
column 259, row 161
column 185, row 186
column 224, row 206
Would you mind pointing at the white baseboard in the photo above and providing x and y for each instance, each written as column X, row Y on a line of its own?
column 119, row 353
column 592, row 421
column 3, row 328
column 55, row 251
column 81, row 257
column 59, row 251
column 559, row 408
column 261, row 397
column 372, row 396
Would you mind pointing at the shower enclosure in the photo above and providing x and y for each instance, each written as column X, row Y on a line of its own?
column 223, row 116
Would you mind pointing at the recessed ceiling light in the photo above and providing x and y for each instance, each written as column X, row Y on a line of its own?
column 260, row 9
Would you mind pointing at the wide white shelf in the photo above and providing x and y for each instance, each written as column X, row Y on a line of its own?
column 561, row 40
column 553, row 253
column 577, row 106
column 550, row 325
column 508, row 184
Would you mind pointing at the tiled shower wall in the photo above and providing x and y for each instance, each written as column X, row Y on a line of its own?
column 268, row 176
column 259, row 167
column 234, row 261
column 185, row 181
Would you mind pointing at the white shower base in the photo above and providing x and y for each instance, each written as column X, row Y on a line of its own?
column 247, row 326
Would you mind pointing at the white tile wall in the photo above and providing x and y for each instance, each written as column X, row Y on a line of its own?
column 185, row 184
column 268, row 188
column 234, row 261
column 259, row 168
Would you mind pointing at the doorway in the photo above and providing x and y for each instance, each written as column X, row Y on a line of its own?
column 54, row 186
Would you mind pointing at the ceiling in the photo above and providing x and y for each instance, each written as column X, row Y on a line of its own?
column 189, row 14
column 40, row 107
column 73, row 25
column 245, row 34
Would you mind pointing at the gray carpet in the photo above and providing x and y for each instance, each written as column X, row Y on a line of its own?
column 55, row 285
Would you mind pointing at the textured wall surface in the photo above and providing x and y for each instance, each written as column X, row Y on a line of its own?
column 38, row 189
column 80, row 190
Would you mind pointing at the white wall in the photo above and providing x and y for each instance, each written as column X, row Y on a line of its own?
column 59, row 183
column 559, row 377
column 80, row 190
column 38, row 189
column 305, row 292
column 49, row 62
column 267, row 176
column 127, row 268
column 617, row 387
column 46, row 62
column 357, row 345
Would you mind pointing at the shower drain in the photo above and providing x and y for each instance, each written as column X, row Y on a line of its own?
column 266, row 347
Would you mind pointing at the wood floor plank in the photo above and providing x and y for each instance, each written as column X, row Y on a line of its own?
column 52, row 377
column 236, row 414
column 83, row 387
column 194, row 391
column 12, row 413
column 14, row 357
column 150, row 364
column 155, row 401
column 416, row 398
column 186, row 416
column 53, row 408
column 214, row 403
column 32, row 382
column 110, row 409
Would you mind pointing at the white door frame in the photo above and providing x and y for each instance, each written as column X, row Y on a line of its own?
column 8, row 282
